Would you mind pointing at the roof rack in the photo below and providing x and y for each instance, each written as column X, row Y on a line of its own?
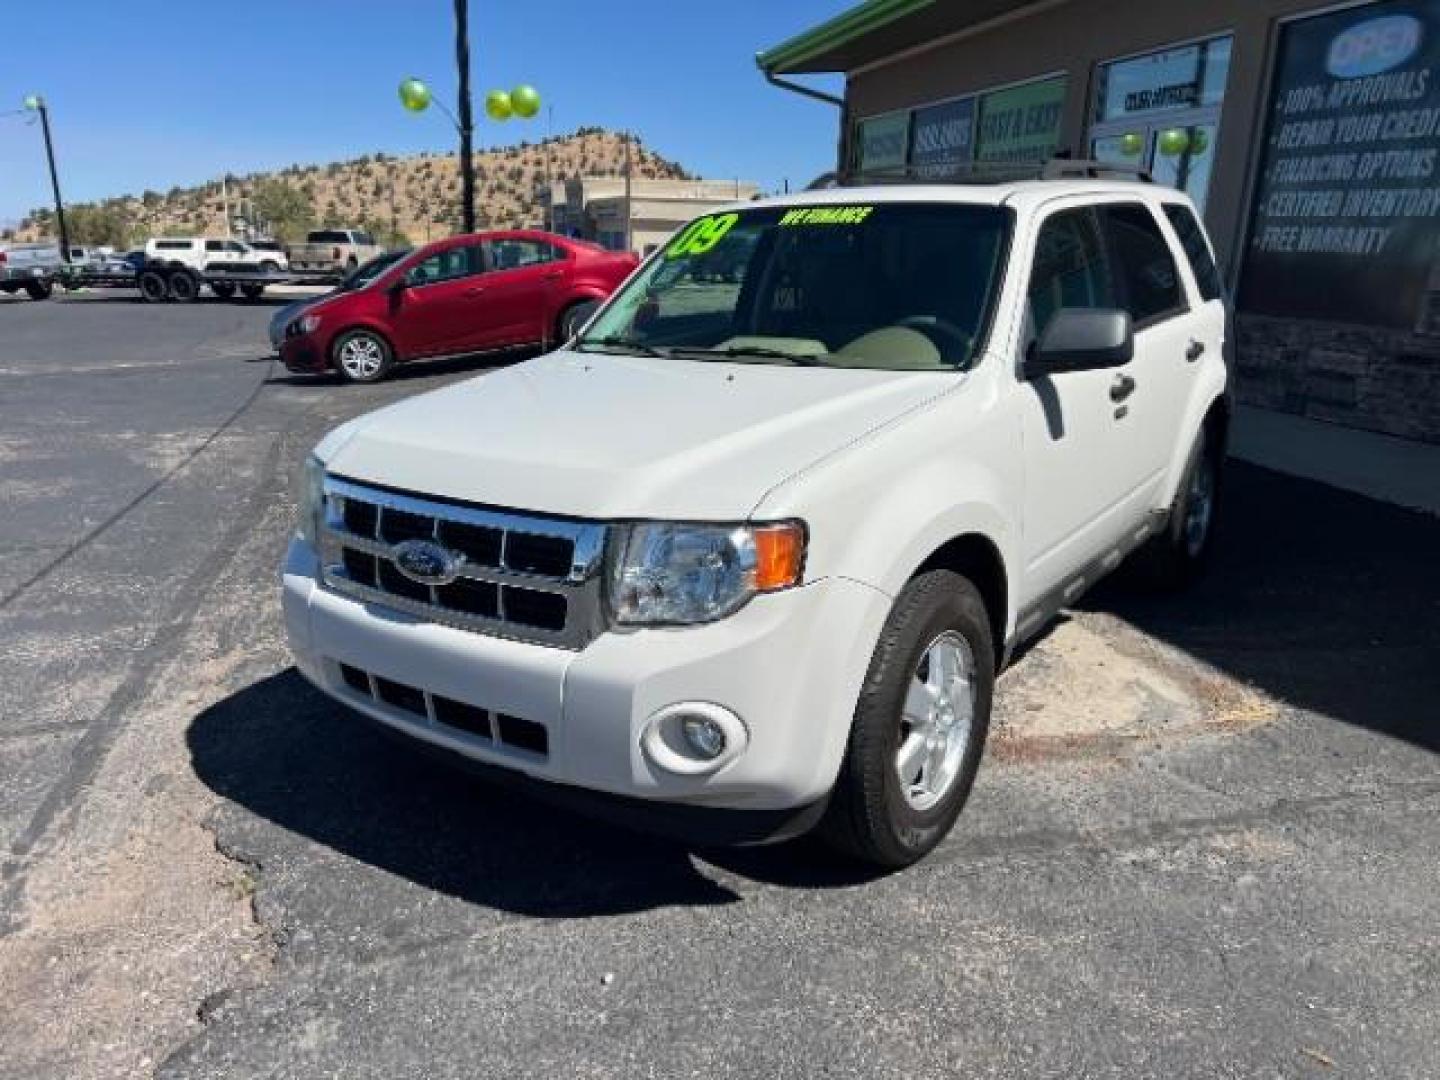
column 985, row 172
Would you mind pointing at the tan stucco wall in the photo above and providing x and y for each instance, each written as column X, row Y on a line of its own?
column 1077, row 36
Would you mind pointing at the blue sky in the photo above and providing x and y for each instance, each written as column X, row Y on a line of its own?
column 680, row 74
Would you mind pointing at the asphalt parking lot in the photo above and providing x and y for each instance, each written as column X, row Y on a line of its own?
column 1203, row 842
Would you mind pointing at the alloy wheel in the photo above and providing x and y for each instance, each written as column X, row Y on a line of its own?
column 936, row 721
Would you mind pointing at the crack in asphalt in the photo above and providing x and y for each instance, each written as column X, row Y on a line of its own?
column 124, row 511
column 48, row 821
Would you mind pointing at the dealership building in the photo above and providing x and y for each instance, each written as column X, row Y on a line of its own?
column 1308, row 134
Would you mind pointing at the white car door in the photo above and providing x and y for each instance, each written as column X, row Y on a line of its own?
column 1082, row 464
column 1169, row 339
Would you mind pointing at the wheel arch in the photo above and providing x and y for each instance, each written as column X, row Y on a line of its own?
column 977, row 558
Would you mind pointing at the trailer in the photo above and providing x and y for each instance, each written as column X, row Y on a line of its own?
column 159, row 282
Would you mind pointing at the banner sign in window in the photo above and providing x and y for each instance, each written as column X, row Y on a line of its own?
column 1346, row 218
column 1022, row 123
column 942, row 138
column 883, row 141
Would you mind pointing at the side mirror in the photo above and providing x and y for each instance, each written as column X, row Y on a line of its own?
column 1081, row 339
column 397, row 287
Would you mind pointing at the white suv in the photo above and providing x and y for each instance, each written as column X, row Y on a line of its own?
column 206, row 253
column 745, row 555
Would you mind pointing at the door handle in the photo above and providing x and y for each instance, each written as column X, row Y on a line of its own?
column 554, row 275
column 1121, row 388
column 1195, row 351
column 474, row 290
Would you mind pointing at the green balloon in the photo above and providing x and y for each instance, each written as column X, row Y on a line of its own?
column 414, row 95
column 1199, row 142
column 1174, row 142
column 1131, row 143
column 525, row 100
column 498, row 105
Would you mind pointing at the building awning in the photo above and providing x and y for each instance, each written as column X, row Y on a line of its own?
column 877, row 29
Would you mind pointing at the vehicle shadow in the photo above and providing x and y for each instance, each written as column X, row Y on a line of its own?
column 1325, row 600
column 288, row 754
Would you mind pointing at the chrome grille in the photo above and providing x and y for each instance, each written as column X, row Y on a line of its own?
column 529, row 578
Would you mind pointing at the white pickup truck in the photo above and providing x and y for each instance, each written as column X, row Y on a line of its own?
column 29, row 267
column 745, row 556
column 338, row 250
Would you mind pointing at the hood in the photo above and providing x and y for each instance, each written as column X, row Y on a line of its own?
column 602, row 436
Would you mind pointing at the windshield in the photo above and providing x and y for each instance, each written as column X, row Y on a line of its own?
column 903, row 286
column 367, row 272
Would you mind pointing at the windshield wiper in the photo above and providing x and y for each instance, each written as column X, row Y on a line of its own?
column 616, row 341
column 760, row 352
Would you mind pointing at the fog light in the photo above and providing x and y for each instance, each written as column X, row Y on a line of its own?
column 705, row 736
column 694, row 738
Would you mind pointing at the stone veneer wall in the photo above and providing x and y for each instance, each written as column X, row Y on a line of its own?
column 1383, row 380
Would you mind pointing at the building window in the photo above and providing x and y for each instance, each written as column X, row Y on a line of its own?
column 1021, row 123
column 1161, row 112
column 882, row 142
column 1345, row 205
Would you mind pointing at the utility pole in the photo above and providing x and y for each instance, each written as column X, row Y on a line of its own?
column 549, row 175
column 629, row 207
column 36, row 102
column 466, row 124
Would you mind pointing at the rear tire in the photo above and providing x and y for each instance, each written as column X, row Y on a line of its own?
column 362, row 356
column 269, row 266
column 919, row 728
column 1176, row 557
column 184, row 287
column 39, row 290
column 223, row 289
column 252, row 292
column 573, row 318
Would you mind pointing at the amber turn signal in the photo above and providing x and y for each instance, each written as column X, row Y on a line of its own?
column 779, row 555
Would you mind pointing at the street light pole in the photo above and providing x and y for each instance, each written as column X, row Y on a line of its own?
column 466, row 124
column 36, row 102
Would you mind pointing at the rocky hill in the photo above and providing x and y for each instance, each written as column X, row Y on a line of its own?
column 420, row 195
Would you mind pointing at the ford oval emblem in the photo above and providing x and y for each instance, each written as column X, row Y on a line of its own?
column 1374, row 45
column 426, row 562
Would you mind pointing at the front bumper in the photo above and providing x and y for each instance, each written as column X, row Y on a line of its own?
column 789, row 665
column 303, row 355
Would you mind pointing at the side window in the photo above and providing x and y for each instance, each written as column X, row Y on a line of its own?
column 233, row 245
column 513, row 254
column 214, row 245
column 1197, row 250
column 364, row 239
column 1147, row 270
column 1072, row 268
column 447, row 265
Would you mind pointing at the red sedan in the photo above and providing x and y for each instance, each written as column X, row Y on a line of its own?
column 466, row 294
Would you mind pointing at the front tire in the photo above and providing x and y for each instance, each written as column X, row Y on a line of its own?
column 362, row 356
column 39, row 290
column 919, row 727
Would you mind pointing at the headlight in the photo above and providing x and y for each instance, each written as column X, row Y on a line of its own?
column 679, row 574
column 308, row 323
column 311, row 498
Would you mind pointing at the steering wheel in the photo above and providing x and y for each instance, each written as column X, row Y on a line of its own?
column 948, row 338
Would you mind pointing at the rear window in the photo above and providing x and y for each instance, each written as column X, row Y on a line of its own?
column 1197, row 250
column 1148, row 273
column 329, row 236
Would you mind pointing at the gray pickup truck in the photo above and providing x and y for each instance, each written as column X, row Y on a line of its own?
column 334, row 249
column 31, row 267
